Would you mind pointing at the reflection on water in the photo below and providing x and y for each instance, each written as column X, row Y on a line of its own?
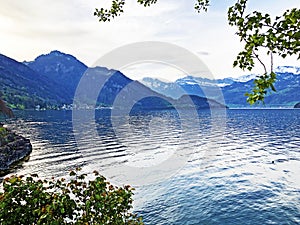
column 248, row 176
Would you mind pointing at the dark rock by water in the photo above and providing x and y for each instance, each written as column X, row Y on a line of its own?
column 13, row 148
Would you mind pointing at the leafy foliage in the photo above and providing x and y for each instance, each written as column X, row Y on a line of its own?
column 115, row 10
column 261, row 85
column 30, row 200
column 257, row 30
column 202, row 5
column 117, row 6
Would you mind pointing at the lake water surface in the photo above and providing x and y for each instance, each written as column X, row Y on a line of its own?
column 245, row 173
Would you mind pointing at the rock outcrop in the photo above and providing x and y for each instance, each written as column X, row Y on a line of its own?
column 13, row 148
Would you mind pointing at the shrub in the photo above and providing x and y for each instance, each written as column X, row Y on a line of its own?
column 30, row 200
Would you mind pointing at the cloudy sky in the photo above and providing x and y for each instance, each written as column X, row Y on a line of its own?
column 30, row 28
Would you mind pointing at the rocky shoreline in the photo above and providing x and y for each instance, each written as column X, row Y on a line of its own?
column 13, row 148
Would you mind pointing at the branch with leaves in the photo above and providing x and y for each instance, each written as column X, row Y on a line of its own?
column 258, row 31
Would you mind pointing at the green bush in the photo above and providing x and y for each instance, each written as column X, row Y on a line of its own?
column 3, row 131
column 30, row 200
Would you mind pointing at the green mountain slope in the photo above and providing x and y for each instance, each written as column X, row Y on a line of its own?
column 23, row 87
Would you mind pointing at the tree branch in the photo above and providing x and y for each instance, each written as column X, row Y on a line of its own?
column 260, row 61
column 271, row 61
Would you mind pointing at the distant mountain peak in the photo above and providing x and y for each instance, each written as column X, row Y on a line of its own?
column 245, row 78
column 187, row 80
column 288, row 69
column 61, row 68
column 58, row 54
column 56, row 57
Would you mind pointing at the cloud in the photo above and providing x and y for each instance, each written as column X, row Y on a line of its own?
column 155, row 70
column 30, row 28
column 202, row 53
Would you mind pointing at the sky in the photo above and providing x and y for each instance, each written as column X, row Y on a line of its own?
column 29, row 28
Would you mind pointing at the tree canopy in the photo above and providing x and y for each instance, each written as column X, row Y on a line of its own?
column 257, row 30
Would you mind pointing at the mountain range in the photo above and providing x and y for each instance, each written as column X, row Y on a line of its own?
column 50, row 81
column 233, row 89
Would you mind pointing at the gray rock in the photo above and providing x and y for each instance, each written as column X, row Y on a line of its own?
column 297, row 105
column 14, row 148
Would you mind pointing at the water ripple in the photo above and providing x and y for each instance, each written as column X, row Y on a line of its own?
column 246, row 174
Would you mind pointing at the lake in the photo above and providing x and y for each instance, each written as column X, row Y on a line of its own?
column 237, row 167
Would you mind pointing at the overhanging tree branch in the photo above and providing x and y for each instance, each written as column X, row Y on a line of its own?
column 256, row 30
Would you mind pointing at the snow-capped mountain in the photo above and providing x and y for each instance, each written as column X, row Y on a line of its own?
column 245, row 78
column 204, row 81
column 288, row 69
column 287, row 86
column 172, row 90
column 186, row 85
column 155, row 83
column 178, row 88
